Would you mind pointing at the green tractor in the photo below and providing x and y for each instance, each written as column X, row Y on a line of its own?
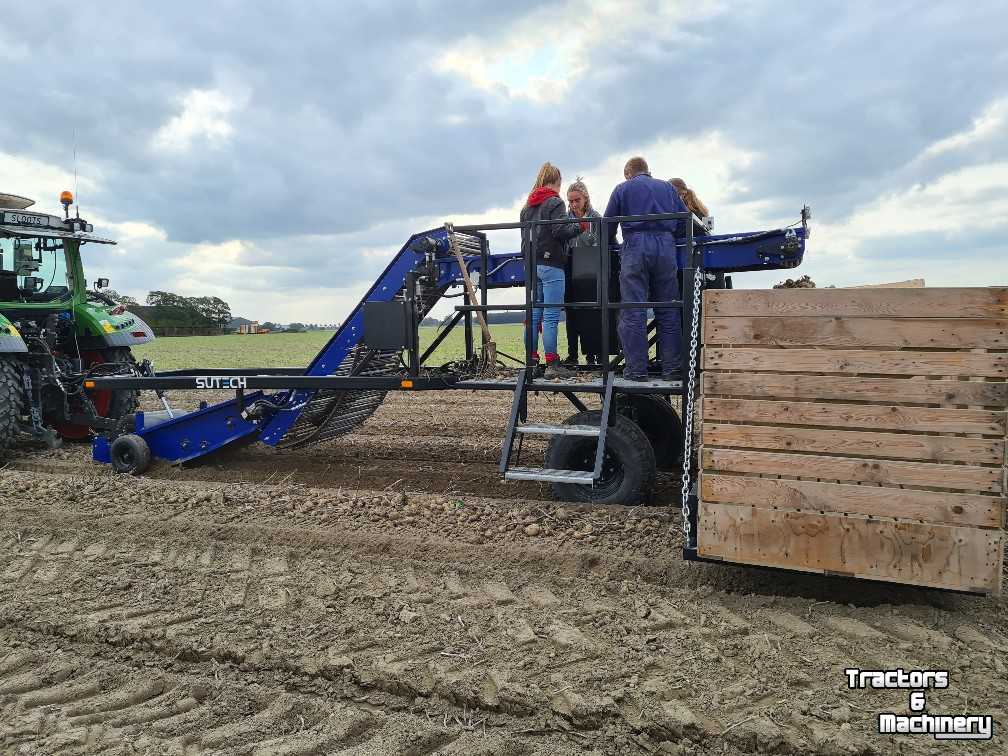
column 55, row 334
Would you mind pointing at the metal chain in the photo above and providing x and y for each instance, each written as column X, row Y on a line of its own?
column 690, row 390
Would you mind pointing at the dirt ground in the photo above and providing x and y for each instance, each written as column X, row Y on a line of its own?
column 388, row 594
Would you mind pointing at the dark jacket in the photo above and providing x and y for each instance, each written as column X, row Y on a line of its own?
column 549, row 242
column 643, row 195
column 589, row 238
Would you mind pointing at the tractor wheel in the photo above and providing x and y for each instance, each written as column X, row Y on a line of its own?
column 123, row 401
column 11, row 399
column 660, row 423
column 130, row 454
column 107, row 403
column 628, row 465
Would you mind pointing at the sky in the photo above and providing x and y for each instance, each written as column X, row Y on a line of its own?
column 278, row 155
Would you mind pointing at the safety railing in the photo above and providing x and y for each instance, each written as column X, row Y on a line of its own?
column 603, row 301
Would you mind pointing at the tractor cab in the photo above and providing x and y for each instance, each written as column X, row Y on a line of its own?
column 54, row 332
column 33, row 270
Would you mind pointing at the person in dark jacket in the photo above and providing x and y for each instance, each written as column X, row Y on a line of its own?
column 547, row 246
column 585, row 243
column 648, row 268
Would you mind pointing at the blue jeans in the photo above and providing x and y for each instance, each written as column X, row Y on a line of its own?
column 549, row 290
column 649, row 273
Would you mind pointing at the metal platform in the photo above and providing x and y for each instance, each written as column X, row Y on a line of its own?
column 564, row 385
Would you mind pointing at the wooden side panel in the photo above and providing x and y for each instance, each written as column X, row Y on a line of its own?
column 942, row 556
column 857, row 431
column 891, row 333
column 992, row 365
column 873, row 501
column 847, row 388
column 878, row 417
column 853, row 470
column 856, row 443
column 989, row 302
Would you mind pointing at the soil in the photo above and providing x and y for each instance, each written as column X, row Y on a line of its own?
column 387, row 594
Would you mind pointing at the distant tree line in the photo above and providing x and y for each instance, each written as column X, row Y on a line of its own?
column 166, row 309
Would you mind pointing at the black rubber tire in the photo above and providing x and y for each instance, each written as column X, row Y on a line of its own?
column 660, row 423
column 11, row 399
column 124, row 401
column 628, row 470
column 130, row 454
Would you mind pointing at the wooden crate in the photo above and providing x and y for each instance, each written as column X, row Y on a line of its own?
column 857, row 432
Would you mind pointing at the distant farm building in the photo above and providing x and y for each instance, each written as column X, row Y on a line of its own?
column 252, row 327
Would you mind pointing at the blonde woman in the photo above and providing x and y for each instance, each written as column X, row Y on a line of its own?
column 689, row 198
column 586, row 243
column 546, row 247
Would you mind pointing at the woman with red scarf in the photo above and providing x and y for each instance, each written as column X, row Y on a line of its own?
column 547, row 246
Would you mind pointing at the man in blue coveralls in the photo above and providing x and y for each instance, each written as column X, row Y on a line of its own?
column 648, row 268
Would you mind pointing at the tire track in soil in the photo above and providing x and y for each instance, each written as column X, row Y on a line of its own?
column 584, row 653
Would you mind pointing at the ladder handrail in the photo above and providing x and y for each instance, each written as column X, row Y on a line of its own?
column 603, row 425
column 516, row 403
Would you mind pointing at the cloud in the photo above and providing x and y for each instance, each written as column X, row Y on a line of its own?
column 205, row 116
column 292, row 146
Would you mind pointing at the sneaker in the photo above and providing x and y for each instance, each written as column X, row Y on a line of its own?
column 591, row 359
column 555, row 370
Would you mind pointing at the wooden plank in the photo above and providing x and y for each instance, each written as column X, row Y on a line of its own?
column 941, row 556
column 850, row 388
column 979, row 302
column 992, row 365
column 894, row 333
column 878, row 417
column 857, row 443
column 885, row 472
column 875, row 501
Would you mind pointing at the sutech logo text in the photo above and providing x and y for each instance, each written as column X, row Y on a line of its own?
column 221, row 382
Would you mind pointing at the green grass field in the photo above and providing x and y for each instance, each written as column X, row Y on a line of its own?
column 298, row 349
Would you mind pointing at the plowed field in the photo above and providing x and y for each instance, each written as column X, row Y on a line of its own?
column 388, row 594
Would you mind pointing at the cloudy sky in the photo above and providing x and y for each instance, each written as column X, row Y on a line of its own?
column 277, row 154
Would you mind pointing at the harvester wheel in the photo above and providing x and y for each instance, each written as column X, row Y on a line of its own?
column 660, row 423
column 130, row 454
column 628, row 466
column 11, row 399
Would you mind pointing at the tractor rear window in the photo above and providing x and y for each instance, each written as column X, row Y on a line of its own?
column 33, row 270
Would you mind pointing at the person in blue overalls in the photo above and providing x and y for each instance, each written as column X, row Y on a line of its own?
column 648, row 268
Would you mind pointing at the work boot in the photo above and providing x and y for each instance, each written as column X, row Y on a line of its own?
column 632, row 377
column 554, row 369
column 571, row 360
column 591, row 359
column 672, row 374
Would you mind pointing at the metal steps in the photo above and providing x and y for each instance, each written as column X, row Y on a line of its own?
column 518, row 426
column 558, row 430
column 546, row 475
